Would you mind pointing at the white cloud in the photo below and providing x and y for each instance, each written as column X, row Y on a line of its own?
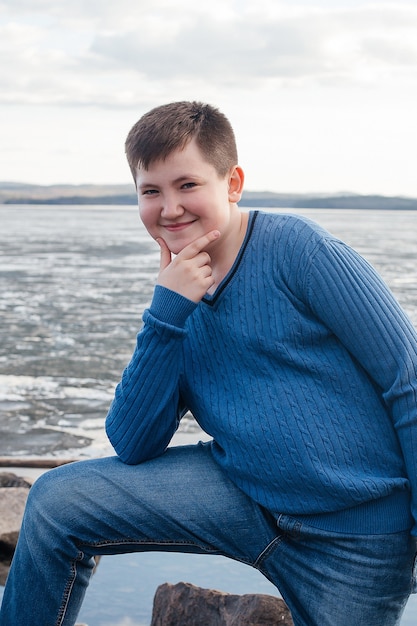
column 96, row 53
column 320, row 92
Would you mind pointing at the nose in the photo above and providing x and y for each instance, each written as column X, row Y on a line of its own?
column 171, row 207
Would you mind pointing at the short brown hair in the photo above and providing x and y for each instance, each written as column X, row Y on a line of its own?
column 170, row 127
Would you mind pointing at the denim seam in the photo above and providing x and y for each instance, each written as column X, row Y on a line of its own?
column 68, row 589
column 266, row 552
column 135, row 542
column 214, row 551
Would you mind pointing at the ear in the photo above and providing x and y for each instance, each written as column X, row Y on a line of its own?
column 236, row 180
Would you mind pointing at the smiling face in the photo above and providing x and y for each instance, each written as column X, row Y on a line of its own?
column 183, row 197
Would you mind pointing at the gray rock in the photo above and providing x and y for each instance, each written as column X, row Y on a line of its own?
column 7, row 479
column 12, row 505
column 184, row 604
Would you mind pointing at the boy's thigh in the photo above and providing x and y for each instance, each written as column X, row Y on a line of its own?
column 179, row 501
column 329, row 579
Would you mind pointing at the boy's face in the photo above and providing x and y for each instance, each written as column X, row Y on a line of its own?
column 183, row 197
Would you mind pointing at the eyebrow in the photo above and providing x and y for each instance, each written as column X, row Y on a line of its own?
column 180, row 179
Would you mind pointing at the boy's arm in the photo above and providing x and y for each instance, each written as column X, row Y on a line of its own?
column 349, row 296
column 147, row 408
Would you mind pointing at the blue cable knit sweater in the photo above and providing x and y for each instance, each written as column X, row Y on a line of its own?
column 301, row 366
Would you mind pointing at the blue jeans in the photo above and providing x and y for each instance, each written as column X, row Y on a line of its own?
column 183, row 502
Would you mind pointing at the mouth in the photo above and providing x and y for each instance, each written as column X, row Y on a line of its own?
column 177, row 226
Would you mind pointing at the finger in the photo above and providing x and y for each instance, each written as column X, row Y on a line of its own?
column 199, row 244
column 166, row 257
column 202, row 259
column 206, row 271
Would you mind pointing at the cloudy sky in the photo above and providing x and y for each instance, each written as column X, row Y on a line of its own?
column 322, row 93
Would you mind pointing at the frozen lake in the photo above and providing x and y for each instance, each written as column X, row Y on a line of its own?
column 74, row 282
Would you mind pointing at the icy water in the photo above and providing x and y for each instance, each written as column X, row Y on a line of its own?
column 73, row 285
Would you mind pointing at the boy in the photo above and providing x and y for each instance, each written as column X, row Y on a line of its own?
column 294, row 356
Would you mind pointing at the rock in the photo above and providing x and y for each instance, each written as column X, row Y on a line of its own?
column 7, row 479
column 4, row 570
column 13, row 495
column 12, row 505
column 184, row 604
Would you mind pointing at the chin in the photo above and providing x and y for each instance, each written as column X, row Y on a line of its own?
column 178, row 244
column 176, row 249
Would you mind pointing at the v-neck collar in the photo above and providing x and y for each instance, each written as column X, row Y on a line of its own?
column 211, row 299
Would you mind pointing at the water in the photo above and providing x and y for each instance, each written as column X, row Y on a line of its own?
column 73, row 285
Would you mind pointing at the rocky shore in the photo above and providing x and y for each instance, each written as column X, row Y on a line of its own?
column 13, row 494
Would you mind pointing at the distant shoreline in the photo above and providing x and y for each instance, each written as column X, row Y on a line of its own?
column 21, row 193
column 348, row 202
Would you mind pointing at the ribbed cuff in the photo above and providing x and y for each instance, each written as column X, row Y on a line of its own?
column 171, row 307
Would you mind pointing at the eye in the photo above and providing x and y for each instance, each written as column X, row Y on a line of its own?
column 188, row 185
column 149, row 192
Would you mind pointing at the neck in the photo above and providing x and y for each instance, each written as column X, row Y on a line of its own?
column 223, row 260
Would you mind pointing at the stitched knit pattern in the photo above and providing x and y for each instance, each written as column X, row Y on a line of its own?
column 303, row 369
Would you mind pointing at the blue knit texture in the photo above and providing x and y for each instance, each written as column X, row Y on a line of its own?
column 302, row 367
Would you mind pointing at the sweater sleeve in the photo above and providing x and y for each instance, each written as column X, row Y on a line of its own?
column 147, row 407
column 349, row 296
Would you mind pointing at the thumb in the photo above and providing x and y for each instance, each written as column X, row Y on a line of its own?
column 166, row 258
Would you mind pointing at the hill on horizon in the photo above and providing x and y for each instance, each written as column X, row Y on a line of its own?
column 124, row 194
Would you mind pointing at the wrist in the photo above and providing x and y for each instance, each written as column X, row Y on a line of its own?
column 171, row 307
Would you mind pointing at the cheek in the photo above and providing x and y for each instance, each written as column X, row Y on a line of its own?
column 147, row 217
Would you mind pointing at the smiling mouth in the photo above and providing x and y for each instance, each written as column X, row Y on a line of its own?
column 172, row 228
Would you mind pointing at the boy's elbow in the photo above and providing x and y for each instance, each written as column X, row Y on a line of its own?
column 136, row 449
column 125, row 452
column 130, row 454
column 129, row 459
column 135, row 457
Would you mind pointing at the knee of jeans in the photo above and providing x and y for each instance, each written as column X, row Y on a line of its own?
column 45, row 498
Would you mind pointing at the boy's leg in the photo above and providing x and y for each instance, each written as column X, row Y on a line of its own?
column 331, row 579
column 180, row 501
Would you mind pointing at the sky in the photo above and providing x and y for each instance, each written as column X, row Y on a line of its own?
column 322, row 95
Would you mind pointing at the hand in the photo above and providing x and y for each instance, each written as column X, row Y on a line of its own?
column 189, row 273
